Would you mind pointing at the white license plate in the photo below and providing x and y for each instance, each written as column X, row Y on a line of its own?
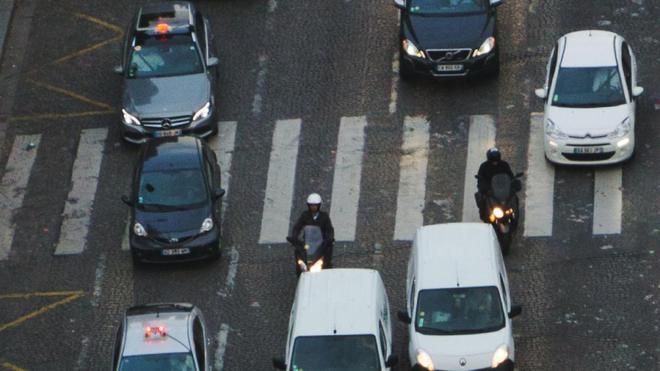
column 588, row 150
column 182, row 251
column 167, row 133
column 449, row 67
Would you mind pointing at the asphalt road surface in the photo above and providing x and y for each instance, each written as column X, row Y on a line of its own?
column 317, row 78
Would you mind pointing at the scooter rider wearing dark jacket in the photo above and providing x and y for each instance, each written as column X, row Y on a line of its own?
column 314, row 216
column 492, row 166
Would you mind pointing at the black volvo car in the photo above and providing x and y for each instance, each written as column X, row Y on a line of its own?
column 175, row 202
column 448, row 38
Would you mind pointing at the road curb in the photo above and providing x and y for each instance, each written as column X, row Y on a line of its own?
column 6, row 11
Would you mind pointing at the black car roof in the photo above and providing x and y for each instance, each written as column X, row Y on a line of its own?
column 172, row 153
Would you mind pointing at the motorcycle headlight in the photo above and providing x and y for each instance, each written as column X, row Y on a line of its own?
column 139, row 230
column 500, row 355
column 552, row 131
column 129, row 119
column 621, row 130
column 203, row 112
column 207, row 225
column 424, row 360
column 411, row 49
column 317, row 267
column 486, row 47
column 498, row 212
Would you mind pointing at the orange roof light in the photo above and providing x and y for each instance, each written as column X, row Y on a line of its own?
column 162, row 28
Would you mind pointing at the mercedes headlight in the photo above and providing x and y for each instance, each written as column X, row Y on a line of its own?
column 207, row 225
column 129, row 119
column 411, row 49
column 486, row 47
column 317, row 267
column 139, row 230
column 500, row 355
column 552, row 131
column 203, row 112
column 622, row 129
column 424, row 360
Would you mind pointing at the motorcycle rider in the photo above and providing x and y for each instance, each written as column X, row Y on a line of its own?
column 314, row 216
column 492, row 166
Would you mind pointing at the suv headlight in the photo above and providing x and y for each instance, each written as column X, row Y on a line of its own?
column 424, row 360
column 139, row 230
column 207, row 225
column 622, row 130
column 203, row 112
column 486, row 47
column 411, row 49
column 129, row 119
column 501, row 354
column 552, row 131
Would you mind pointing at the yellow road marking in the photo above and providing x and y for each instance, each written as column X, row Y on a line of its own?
column 70, row 296
column 70, row 94
column 100, row 22
column 86, row 50
column 11, row 366
column 57, row 116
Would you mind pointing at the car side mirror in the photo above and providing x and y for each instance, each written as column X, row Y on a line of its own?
column 126, row 200
column 218, row 192
column 212, row 61
column 496, row 3
column 401, row 4
column 541, row 93
column 392, row 360
column 403, row 317
column 279, row 363
column 516, row 310
column 637, row 91
column 119, row 70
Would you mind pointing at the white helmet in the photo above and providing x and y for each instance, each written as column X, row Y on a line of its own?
column 314, row 199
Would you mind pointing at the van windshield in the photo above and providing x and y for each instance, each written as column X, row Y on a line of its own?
column 455, row 311
column 330, row 353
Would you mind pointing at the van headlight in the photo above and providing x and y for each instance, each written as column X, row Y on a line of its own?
column 139, row 230
column 501, row 354
column 411, row 49
column 621, row 130
column 203, row 112
column 552, row 131
column 207, row 225
column 486, row 47
column 424, row 360
column 129, row 119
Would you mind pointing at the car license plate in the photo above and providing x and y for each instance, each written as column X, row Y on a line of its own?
column 181, row 251
column 449, row 67
column 588, row 150
column 167, row 133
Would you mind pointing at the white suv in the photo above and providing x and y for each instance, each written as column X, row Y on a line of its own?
column 589, row 95
column 340, row 320
column 161, row 337
column 458, row 303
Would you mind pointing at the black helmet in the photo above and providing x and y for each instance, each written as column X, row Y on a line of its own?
column 493, row 154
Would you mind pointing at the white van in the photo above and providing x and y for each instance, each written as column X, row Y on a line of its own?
column 340, row 320
column 458, row 302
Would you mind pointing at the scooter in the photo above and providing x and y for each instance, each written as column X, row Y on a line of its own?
column 502, row 206
column 309, row 251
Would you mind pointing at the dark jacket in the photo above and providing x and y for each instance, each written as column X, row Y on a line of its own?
column 486, row 172
column 323, row 221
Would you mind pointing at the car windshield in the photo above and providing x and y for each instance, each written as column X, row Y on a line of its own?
column 588, row 87
column 159, row 362
column 166, row 55
column 177, row 188
column 447, row 7
column 329, row 353
column 459, row 311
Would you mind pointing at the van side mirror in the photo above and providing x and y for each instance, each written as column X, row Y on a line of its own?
column 541, row 93
column 126, row 200
column 279, row 363
column 401, row 4
column 403, row 317
column 637, row 91
column 119, row 70
column 392, row 360
column 516, row 310
column 218, row 192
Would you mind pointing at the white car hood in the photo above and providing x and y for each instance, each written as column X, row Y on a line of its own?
column 447, row 351
column 593, row 121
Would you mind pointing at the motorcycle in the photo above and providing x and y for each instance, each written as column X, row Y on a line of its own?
column 502, row 206
column 309, row 251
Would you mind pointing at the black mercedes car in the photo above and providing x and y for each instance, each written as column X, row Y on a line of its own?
column 175, row 202
column 448, row 38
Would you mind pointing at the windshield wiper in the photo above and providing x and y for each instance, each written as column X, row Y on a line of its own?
column 161, row 207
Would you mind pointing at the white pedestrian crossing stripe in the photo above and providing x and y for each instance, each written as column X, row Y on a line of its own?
column 539, row 184
column 13, row 186
column 481, row 137
column 607, row 201
column 223, row 146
